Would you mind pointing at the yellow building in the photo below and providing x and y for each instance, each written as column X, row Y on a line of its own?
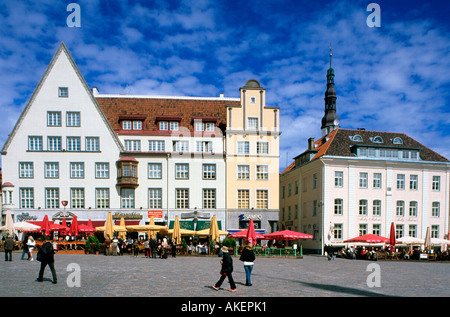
column 252, row 161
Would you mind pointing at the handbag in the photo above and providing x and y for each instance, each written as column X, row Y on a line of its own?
column 221, row 273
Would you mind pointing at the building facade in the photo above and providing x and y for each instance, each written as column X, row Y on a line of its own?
column 75, row 151
column 354, row 182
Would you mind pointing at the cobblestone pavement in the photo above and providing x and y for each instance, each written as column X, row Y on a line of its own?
column 193, row 276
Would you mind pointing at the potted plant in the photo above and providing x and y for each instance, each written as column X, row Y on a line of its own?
column 184, row 246
column 230, row 243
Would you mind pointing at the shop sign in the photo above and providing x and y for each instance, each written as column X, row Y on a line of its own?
column 132, row 215
column 157, row 214
column 250, row 216
column 25, row 216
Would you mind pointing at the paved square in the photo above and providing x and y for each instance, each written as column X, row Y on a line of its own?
column 193, row 276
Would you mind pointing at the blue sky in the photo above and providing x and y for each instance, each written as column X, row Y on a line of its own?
column 390, row 78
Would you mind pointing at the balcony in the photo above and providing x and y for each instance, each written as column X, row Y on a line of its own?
column 127, row 176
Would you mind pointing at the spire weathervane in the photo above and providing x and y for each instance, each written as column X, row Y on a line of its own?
column 331, row 48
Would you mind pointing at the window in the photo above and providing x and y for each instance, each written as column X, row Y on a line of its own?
column 338, row 179
column 182, row 198
column 181, row 146
column 376, row 229
column 400, row 181
column 209, row 198
column 52, row 198
column 154, row 170
column 252, row 99
column 132, row 145
column 77, row 170
column 262, row 147
column 363, row 180
column 399, row 231
column 413, row 180
column 209, row 126
column 126, row 125
column 435, row 231
column 63, row 92
column 314, row 181
column 436, row 185
column 154, row 198
column 377, row 207
column 137, row 125
column 296, row 188
column 26, row 170
column 77, row 197
column 412, row 232
column 337, row 231
column 397, row 140
column 377, row 180
column 377, row 139
column 289, row 190
column 35, row 143
column 262, row 173
column 73, row 119
column 26, row 198
column 53, row 119
column 51, row 170
column 73, row 144
column 174, row 126
column 127, row 198
column 102, row 170
column 243, row 172
column 363, row 207
column 252, row 123
column 156, row 146
column 163, row 125
column 400, row 209
column 92, row 144
column 181, row 171
column 243, row 201
column 295, row 211
column 262, row 199
column 243, row 147
column 338, row 205
column 435, row 209
column 209, row 171
column 314, row 211
column 199, row 126
column 413, row 208
column 204, row 146
column 102, row 197
column 357, row 138
column 54, row 143
column 362, row 229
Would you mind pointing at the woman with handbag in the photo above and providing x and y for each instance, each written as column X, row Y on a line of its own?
column 226, row 270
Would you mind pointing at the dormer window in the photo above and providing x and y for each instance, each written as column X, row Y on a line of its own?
column 164, row 125
column 174, row 125
column 137, row 125
column 357, row 138
column 126, row 125
column 397, row 140
column 132, row 122
column 377, row 139
column 199, row 126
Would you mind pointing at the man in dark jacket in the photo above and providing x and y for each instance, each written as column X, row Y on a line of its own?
column 45, row 256
column 9, row 247
column 227, row 269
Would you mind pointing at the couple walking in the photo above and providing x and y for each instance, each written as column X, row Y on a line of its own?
column 247, row 256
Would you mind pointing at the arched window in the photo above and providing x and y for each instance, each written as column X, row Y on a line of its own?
column 357, row 138
column 377, row 139
column 397, row 140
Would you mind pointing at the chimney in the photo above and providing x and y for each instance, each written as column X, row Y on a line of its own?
column 311, row 144
column 221, row 96
column 95, row 91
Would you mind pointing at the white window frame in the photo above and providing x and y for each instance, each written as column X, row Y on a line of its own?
column 102, row 170
column 243, row 172
column 102, row 198
column 154, row 170
column 155, row 198
column 51, row 170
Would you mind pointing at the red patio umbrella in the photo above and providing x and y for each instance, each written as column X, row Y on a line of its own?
column 287, row 235
column 45, row 227
column 64, row 223
column 392, row 236
column 57, row 227
column 243, row 234
column 368, row 238
column 251, row 234
column 74, row 227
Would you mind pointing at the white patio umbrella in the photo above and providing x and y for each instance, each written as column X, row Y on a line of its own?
column 25, row 226
column 9, row 224
column 410, row 240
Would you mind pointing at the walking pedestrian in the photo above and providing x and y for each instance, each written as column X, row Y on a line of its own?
column 226, row 270
column 153, row 246
column 136, row 248
column 115, row 245
column 174, row 248
column 248, row 257
column 46, row 257
column 107, row 245
column 164, row 246
column 25, row 248
column 31, row 243
column 9, row 247
column 147, row 248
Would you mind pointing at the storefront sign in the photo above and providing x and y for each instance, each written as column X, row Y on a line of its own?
column 63, row 215
column 25, row 216
column 250, row 216
column 157, row 214
column 132, row 215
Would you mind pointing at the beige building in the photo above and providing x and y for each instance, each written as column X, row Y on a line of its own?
column 252, row 161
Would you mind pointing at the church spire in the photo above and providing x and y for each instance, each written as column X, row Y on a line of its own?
column 330, row 120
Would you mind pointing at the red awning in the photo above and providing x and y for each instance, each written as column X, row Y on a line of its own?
column 287, row 235
column 368, row 238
